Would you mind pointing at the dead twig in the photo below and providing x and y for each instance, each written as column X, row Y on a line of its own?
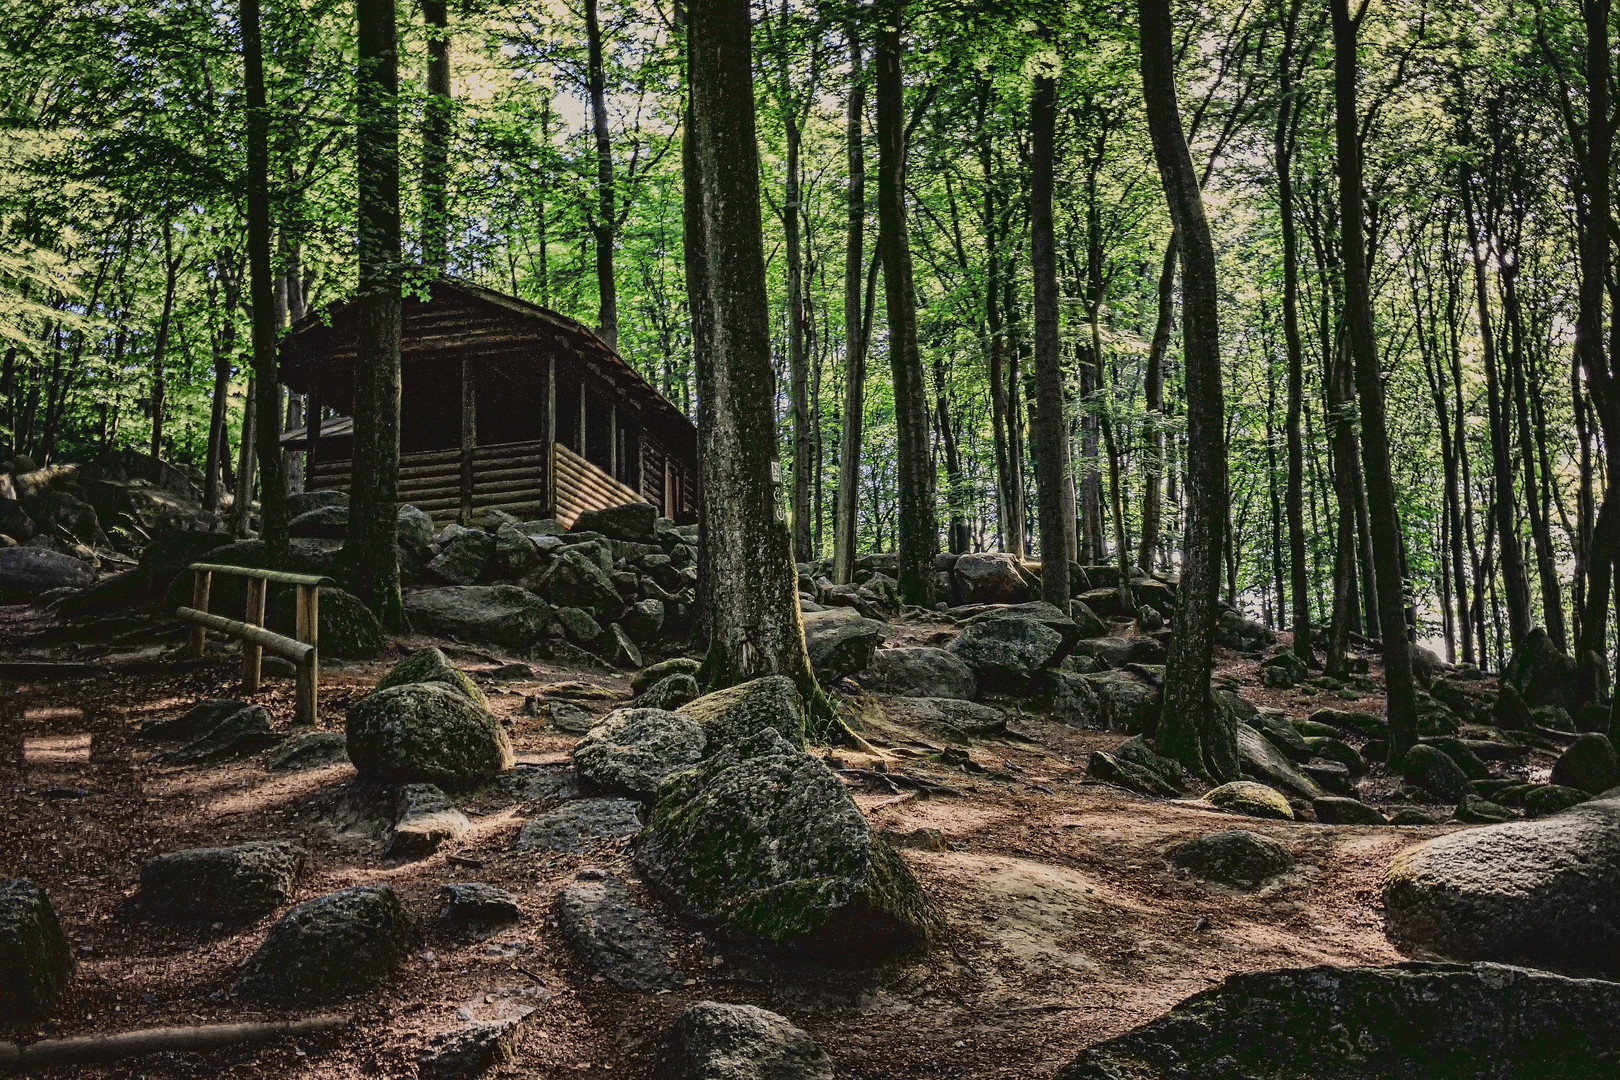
column 90, row 1049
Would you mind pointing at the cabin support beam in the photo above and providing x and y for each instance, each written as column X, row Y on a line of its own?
column 550, row 467
column 469, row 436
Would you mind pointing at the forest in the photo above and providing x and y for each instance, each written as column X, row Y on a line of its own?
column 674, row 534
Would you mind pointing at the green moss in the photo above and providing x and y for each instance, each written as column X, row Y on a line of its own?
column 430, row 666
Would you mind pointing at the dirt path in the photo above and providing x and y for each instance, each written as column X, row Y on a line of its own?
column 1067, row 924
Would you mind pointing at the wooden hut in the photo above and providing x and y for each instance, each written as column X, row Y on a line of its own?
column 503, row 405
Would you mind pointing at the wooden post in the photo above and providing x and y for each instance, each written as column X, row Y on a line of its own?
column 613, row 440
column 469, row 436
column 582, row 414
column 307, row 629
column 200, row 581
column 251, row 654
column 551, row 437
column 312, row 413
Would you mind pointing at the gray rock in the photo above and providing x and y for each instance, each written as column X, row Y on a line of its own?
column 1264, row 762
column 430, row 666
column 675, row 665
column 1281, row 734
column 332, row 947
column 617, row 938
column 740, row 711
column 1251, row 798
column 472, row 1050
column 232, row 884
column 763, row 840
column 570, row 719
column 1589, row 765
column 56, row 510
column 414, row 531
column 515, row 553
column 1088, row 623
column 632, row 750
column 26, row 572
column 1073, row 702
column 1233, row 857
column 1542, row 673
column 578, row 624
column 919, row 672
column 475, row 910
column 425, row 733
column 1284, row 670
column 424, row 820
column 1124, row 704
column 840, row 642
column 1374, row 1023
column 1004, row 652
column 644, row 620
column 1134, row 765
column 711, row 1041
column 1332, row 749
column 670, row 692
column 574, row 579
column 618, row 649
column 36, row 962
column 194, row 723
column 310, row 750
column 346, row 628
column 1338, row 810
column 1234, row 630
column 321, row 523
column 1479, row 811
column 1435, row 772
column 962, row 718
column 578, row 825
column 1363, row 724
column 244, row 731
column 464, row 557
column 633, row 521
column 1116, row 652
column 500, row 614
column 991, row 577
column 1535, row 892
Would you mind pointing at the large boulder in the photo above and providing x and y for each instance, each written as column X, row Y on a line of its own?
column 231, row 884
column 1439, row 1021
column 1234, row 630
column 633, row 521
column 1433, row 770
column 1005, row 651
column 1073, row 702
column 953, row 719
column 36, row 962
column 1589, row 765
column 1233, row 857
column 26, row 572
column 574, row 579
column 426, row 733
column 633, row 750
column 1125, row 704
column 321, row 523
column 332, row 947
column 763, row 841
column 464, row 557
column 1251, row 799
column 617, row 938
column 424, row 820
column 840, row 642
column 579, row 824
column 1535, row 892
column 714, row 1041
column 991, row 577
column 501, row 614
column 56, row 509
column 919, row 672
column 241, row 731
column 1116, row 652
column 346, row 627
column 737, row 712
column 1264, row 762
column 429, row 665
column 1542, row 673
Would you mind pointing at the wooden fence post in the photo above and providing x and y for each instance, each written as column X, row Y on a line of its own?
column 200, row 581
column 307, row 629
column 251, row 653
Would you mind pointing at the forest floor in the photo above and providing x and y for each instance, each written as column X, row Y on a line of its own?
column 1066, row 923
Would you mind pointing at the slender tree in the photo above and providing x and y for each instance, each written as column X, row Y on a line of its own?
column 1050, row 430
column 605, row 217
column 1282, row 153
column 849, row 448
column 372, row 550
column 1187, row 731
column 436, row 139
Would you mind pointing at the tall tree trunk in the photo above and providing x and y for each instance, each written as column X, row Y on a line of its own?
column 1153, row 393
column 1518, row 587
column 917, row 534
column 849, row 445
column 1186, row 732
column 242, row 499
column 955, row 485
column 604, row 223
column 1050, row 432
column 798, row 362
column 1400, row 692
column 1011, row 521
column 261, row 295
column 755, row 628
column 436, row 139
column 371, row 550
column 224, row 347
column 160, row 346
column 1283, row 153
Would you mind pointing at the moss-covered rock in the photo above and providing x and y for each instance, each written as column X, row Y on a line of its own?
column 1437, row 1021
column 426, row 733
column 1589, row 765
column 329, row 948
column 347, row 628
column 430, row 666
column 763, row 841
column 1542, row 800
column 1255, row 800
column 503, row 614
column 1476, row 810
column 652, row 673
column 36, row 962
column 1337, row 750
column 738, row 712
column 232, row 884
column 633, row 750
column 1355, row 723
column 1233, row 857
column 1338, row 810
column 670, row 692
column 1434, row 771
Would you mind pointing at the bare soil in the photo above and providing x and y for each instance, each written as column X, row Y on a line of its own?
column 1066, row 923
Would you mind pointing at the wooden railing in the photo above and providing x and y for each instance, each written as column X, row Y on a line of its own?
column 303, row 649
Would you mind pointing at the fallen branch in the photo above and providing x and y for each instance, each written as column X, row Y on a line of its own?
column 91, row 1049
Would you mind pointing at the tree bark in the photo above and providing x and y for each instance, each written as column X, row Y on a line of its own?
column 917, row 533
column 605, row 221
column 1283, row 153
column 798, row 362
column 1011, row 520
column 160, row 346
column 1153, row 393
column 371, row 550
column 436, row 139
column 1400, row 691
column 1050, row 431
column 849, row 446
column 752, row 590
column 1185, row 732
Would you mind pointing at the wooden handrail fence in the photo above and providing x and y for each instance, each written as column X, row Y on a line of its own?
column 303, row 649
